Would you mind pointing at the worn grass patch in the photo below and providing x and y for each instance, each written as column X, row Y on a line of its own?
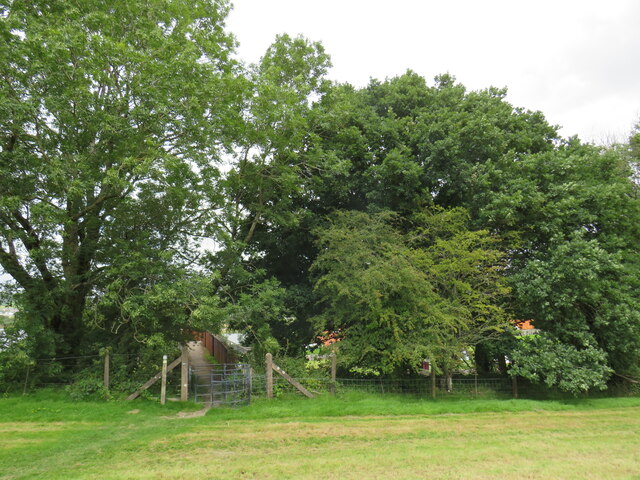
column 374, row 437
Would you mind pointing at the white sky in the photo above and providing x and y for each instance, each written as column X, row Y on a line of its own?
column 576, row 61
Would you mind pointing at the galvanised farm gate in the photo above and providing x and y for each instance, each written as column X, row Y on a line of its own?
column 221, row 384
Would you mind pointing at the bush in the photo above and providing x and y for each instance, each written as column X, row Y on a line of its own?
column 88, row 388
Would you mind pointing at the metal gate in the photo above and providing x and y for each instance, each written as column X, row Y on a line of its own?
column 221, row 384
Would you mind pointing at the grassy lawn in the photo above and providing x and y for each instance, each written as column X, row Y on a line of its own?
column 47, row 436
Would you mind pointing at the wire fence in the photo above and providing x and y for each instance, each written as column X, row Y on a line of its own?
column 59, row 371
column 459, row 387
column 474, row 387
column 84, row 375
column 236, row 384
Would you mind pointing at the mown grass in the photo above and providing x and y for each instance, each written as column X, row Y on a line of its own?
column 354, row 436
column 359, row 404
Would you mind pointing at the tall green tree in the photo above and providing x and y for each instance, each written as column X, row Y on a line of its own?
column 110, row 116
column 376, row 294
column 268, row 175
column 267, row 167
column 468, row 271
column 399, row 145
column 397, row 297
column 573, row 215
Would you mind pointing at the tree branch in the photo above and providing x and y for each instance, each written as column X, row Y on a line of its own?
column 11, row 265
column 32, row 243
column 252, row 229
column 100, row 199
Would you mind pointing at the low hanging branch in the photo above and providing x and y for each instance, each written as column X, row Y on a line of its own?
column 626, row 378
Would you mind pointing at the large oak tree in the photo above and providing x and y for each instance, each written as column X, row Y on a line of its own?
column 110, row 116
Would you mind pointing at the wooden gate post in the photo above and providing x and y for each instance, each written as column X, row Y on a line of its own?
column 333, row 373
column 163, row 387
column 184, row 375
column 269, row 375
column 105, row 378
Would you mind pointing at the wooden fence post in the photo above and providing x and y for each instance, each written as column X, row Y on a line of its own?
column 333, row 373
column 433, row 379
column 163, row 387
column 154, row 379
column 514, row 385
column 105, row 377
column 269, row 375
column 475, row 382
column 292, row 381
column 184, row 375
column 26, row 381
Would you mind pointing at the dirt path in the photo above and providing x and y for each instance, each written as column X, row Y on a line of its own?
column 197, row 357
column 201, row 368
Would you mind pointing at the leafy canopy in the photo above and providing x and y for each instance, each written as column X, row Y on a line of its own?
column 110, row 117
column 398, row 298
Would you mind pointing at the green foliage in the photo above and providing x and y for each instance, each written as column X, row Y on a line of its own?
column 111, row 115
column 397, row 299
column 16, row 356
column 172, row 308
column 265, row 174
column 89, row 387
column 542, row 358
column 396, row 145
column 376, row 296
column 266, row 177
column 634, row 143
column 246, row 300
column 584, row 296
column 467, row 270
column 576, row 187
column 400, row 144
column 259, row 311
column 572, row 217
column 114, row 115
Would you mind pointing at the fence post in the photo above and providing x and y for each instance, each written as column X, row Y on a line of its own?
column 514, row 385
column 184, row 375
column 105, row 377
column 333, row 373
column 26, row 381
column 269, row 375
column 163, row 387
column 475, row 381
column 433, row 379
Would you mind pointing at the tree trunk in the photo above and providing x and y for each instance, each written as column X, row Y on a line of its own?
column 482, row 360
column 502, row 364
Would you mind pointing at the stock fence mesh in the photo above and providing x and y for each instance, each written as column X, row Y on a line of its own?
column 464, row 387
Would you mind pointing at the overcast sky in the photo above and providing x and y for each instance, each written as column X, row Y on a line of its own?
column 576, row 61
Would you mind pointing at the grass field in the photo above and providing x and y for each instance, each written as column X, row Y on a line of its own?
column 47, row 436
